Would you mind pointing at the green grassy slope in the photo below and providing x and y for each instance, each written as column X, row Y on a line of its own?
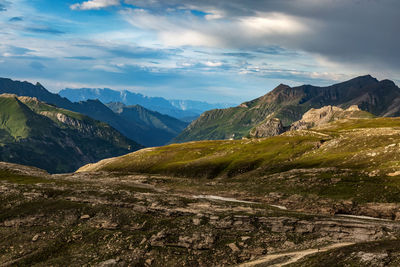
column 356, row 159
column 16, row 118
column 57, row 140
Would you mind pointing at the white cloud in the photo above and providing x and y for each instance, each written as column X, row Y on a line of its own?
column 95, row 4
column 172, row 31
column 272, row 23
column 213, row 64
column 260, row 29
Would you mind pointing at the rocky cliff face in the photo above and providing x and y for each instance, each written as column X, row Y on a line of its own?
column 327, row 114
column 270, row 127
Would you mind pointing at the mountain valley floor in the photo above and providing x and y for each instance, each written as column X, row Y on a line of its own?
column 111, row 219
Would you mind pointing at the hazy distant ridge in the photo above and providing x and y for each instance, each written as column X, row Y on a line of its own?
column 181, row 109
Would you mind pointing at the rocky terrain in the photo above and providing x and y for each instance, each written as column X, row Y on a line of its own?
column 310, row 119
column 109, row 219
column 327, row 114
column 269, row 127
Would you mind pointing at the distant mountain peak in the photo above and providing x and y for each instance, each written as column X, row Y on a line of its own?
column 186, row 110
column 365, row 79
column 282, row 86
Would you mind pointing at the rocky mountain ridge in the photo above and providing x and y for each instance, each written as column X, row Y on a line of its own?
column 180, row 109
column 58, row 140
column 288, row 104
column 137, row 130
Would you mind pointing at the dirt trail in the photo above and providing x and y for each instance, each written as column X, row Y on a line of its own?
column 228, row 199
column 293, row 256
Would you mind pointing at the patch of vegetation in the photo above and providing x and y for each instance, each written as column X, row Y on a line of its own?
column 21, row 179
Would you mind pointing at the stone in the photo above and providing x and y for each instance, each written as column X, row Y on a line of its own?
column 233, row 247
column 267, row 128
column 244, row 238
column 109, row 263
column 148, row 262
column 85, row 217
column 196, row 221
column 35, row 238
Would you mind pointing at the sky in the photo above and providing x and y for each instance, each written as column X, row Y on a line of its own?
column 215, row 51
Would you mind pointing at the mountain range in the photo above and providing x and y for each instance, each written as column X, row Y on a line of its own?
column 288, row 104
column 186, row 110
column 57, row 140
column 145, row 132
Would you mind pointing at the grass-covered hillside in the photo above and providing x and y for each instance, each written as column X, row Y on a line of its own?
column 353, row 160
column 343, row 143
column 57, row 140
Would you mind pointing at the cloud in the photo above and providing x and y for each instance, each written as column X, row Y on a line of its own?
column 352, row 32
column 4, row 4
column 81, row 58
column 16, row 19
column 17, row 51
column 36, row 65
column 95, row 4
column 44, row 29
column 187, row 29
column 213, row 64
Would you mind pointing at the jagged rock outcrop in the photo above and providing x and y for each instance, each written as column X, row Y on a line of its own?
column 324, row 115
column 269, row 127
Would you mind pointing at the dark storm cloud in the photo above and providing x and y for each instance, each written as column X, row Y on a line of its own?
column 349, row 31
